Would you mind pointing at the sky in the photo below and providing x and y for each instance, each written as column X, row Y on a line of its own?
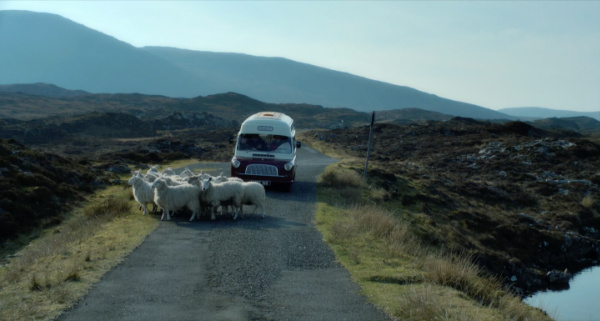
column 496, row 54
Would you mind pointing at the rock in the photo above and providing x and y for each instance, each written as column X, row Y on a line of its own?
column 119, row 169
column 558, row 278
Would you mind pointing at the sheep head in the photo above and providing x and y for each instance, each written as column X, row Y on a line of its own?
column 159, row 183
column 135, row 175
column 206, row 184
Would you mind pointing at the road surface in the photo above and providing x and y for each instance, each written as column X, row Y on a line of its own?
column 276, row 268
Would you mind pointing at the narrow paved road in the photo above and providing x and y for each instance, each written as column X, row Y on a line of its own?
column 277, row 268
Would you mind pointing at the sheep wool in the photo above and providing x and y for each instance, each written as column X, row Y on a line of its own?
column 142, row 190
column 254, row 194
column 172, row 198
column 214, row 194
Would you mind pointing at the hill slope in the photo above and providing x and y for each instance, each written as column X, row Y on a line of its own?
column 281, row 80
column 61, row 52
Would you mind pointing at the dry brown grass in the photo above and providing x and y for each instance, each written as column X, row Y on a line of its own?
column 58, row 268
column 588, row 201
column 340, row 177
column 409, row 280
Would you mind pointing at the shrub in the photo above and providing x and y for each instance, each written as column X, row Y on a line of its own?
column 109, row 208
column 588, row 201
column 335, row 176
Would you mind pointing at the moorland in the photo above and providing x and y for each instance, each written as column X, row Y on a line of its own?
column 519, row 198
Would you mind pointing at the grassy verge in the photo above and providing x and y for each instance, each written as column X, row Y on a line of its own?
column 409, row 280
column 61, row 264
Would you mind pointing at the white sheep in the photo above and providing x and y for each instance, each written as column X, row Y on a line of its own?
column 214, row 194
column 152, row 169
column 186, row 173
column 254, row 194
column 173, row 180
column 215, row 179
column 197, row 180
column 142, row 190
column 172, row 198
column 222, row 178
column 168, row 172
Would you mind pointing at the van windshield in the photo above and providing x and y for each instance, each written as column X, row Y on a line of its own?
column 264, row 143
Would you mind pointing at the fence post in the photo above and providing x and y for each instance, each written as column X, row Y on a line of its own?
column 369, row 146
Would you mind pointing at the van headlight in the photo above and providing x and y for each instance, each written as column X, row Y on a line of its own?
column 235, row 163
column 288, row 166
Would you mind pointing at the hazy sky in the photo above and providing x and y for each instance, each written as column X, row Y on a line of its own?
column 495, row 54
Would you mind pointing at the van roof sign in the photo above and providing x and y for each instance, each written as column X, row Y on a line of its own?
column 265, row 128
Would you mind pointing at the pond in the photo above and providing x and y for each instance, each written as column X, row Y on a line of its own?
column 578, row 303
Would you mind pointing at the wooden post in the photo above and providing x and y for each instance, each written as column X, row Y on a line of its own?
column 369, row 146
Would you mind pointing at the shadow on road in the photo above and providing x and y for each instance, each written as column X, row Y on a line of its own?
column 248, row 222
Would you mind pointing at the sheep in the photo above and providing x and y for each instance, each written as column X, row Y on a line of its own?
column 168, row 172
column 254, row 194
column 197, row 180
column 142, row 191
column 186, row 173
column 221, row 178
column 214, row 194
column 152, row 169
column 173, row 180
column 150, row 177
column 171, row 198
column 216, row 179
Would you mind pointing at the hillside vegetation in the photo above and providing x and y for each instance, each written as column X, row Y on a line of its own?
column 520, row 201
column 400, row 273
column 36, row 187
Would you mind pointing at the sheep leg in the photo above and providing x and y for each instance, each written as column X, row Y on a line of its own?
column 237, row 211
column 212, row 213
column 163, row 215
column 193, row 216
column 144, row 207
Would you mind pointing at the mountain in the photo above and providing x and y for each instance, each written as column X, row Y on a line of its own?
column 530, row 113
column 279, row 80
column 41, row 47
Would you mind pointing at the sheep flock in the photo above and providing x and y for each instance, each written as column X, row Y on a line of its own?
column 200, row 193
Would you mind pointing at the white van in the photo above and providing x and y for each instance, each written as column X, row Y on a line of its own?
column 265, row 150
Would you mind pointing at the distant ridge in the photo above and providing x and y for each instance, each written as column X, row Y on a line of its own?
column 578, row 124
column 531, row 113
column 67, row 54
column 41, row 89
